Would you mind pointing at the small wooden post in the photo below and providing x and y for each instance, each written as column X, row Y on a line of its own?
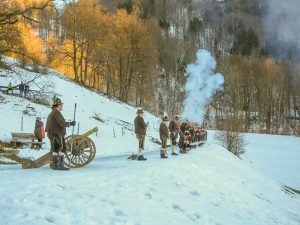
column 22, row 123
column 114, row 132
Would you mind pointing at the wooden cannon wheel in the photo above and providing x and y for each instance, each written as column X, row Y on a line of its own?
column 82, row 153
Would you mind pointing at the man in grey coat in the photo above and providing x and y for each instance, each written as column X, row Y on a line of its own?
column 56, row 131
column 140, row 128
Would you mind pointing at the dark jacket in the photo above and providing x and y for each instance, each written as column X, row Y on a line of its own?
column 21, row 87
column 163, row 131
column 38, row 129
column 174, row 126
column 140, row 125
column 56, row 124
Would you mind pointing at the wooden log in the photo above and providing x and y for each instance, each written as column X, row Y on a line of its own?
column 4, row 154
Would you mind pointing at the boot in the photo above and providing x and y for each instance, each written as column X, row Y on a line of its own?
column 141, row 157
column 140, row 151
column 62, row 164
column 163, row 154
column 54, row 164
column 172, row 150
column 133, row 157
column 58, row 163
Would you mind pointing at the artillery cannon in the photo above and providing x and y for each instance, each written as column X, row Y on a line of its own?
column 80, row 151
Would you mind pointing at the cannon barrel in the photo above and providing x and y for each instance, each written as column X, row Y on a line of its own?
column 86, row 134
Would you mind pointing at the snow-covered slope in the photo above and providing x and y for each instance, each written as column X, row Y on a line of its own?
column 277, row 156
column 115, row 115
column 207, row 186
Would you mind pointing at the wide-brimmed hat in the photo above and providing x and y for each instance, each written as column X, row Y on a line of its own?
column 165, row 118
column 57, row 102
column 140, row 110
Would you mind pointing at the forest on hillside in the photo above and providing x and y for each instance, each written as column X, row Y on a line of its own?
column 137, row 51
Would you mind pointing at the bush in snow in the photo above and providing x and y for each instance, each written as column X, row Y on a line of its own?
column 229, row 138
column 232, row 141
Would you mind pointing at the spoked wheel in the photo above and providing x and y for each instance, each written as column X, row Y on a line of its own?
column 82, row 153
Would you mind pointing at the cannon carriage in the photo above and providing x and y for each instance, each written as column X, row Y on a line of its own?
column 80, row 151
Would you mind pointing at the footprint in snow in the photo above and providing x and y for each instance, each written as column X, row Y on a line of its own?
column 216, row 203
column 177, row 207
column 152, row 189
column 49, row 219
column 119, row 212
column 148, row 195
column 195, row 216
column 195, row 193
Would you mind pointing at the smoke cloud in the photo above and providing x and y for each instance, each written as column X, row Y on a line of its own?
column 282, row 25
column 202, row 82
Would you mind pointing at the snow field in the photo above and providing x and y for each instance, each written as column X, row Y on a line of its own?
column 208, row 186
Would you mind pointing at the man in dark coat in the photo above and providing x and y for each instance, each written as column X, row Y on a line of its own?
column 56, row 130
column 140, row 128
column 163, row 134
column 21, row 89
column 174, row 131
column 26, row 90
column 39, row 130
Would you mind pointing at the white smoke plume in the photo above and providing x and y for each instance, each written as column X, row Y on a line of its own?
column 282, row 21
column 283, row 17
column 202, row 82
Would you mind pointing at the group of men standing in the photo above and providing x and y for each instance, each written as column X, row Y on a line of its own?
column 56, row 131
column 23, row 89
column 186, row 134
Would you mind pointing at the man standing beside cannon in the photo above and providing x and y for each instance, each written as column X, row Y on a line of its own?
column 56, row 131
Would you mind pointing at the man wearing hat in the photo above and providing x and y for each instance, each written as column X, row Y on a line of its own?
column 163, row 134
column 174, row 131
column 56, row 131
column 39, row 131
column 140, row 128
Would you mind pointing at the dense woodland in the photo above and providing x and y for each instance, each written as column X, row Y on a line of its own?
column 137, row 51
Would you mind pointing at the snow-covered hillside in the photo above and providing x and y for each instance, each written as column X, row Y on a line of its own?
column 277, row 156
column 90, row 105
column 208, row 186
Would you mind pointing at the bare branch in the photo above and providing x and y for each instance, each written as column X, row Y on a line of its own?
column 10, row 17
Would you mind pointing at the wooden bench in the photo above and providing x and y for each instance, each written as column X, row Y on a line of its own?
column 8, row 152
column 26, row 138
